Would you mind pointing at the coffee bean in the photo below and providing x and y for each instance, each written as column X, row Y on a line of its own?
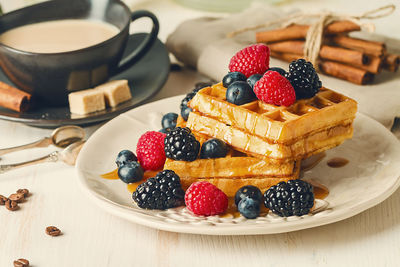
column 21, row 263
column 3, row 200
column 53, row 231
column 17, row 197
column 24, row 191
column 11, row 205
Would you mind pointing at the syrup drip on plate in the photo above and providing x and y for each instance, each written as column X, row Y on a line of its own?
column 113, row 175
column 337, row 162
column 320, row 190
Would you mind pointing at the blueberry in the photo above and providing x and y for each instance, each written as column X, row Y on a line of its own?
column 240, row 93
column 124, row 157
column 185, row 113
column 169, row 120
column 249, row 208
column 213, row 148
column 248, row 191
column 278, row 70
column 253, row 79
column 130, row 172
column 232, row 77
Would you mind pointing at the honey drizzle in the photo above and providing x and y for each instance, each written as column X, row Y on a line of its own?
column 337, row 162
column 113, row 175
column 320, row 190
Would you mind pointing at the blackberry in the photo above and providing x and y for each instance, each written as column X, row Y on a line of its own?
column 295, row 197
column 180, row 144
column 185, row 110
column 303, row 78
column 162, row 192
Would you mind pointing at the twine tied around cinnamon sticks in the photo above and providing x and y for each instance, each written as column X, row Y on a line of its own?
column 315, row 33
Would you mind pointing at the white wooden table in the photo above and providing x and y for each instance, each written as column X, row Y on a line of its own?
column 94, row 238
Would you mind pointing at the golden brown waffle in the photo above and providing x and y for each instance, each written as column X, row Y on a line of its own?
column 230, row 166
column 281, row 133
column 278, row 124
column 180, row 122
column 259, row 147
column 233, row 171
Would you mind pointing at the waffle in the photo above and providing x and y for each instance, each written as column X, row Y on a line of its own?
column 232, row 172
column 280, row 133
column 259, row 147
column 278, row 124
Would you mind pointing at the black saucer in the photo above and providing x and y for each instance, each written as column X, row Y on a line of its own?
column 146, row 78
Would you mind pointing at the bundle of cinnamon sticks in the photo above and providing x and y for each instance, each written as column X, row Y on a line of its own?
column 341, row 56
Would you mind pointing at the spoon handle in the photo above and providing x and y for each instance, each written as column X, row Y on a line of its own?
column 40, row 143
column 52, row 157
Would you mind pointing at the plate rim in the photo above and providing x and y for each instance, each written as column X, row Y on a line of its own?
column 141, row 218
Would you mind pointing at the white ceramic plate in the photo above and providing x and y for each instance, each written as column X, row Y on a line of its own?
column 371, row 176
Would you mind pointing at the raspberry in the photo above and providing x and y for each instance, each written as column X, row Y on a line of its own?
column 150, row 150
column 203, row 198
column 251, row 60
column 275, row 89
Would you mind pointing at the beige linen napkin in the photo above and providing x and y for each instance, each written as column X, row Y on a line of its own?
column 202, row 44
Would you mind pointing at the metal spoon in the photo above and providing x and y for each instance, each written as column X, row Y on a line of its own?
column 60, row 137
column 68, row 155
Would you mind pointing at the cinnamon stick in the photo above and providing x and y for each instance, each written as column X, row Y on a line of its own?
column 345, row 72
column 285, row 56
column 374, row 66
column 13, row 98
column 354, row 58
column 326, row 52
column 335, row 69
column 391, row 62
column 368, row 47
column 300, row 31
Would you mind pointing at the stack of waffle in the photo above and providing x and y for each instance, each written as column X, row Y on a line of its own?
column 267, row 142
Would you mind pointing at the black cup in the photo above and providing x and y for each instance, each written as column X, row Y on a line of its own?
column 51, row 77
